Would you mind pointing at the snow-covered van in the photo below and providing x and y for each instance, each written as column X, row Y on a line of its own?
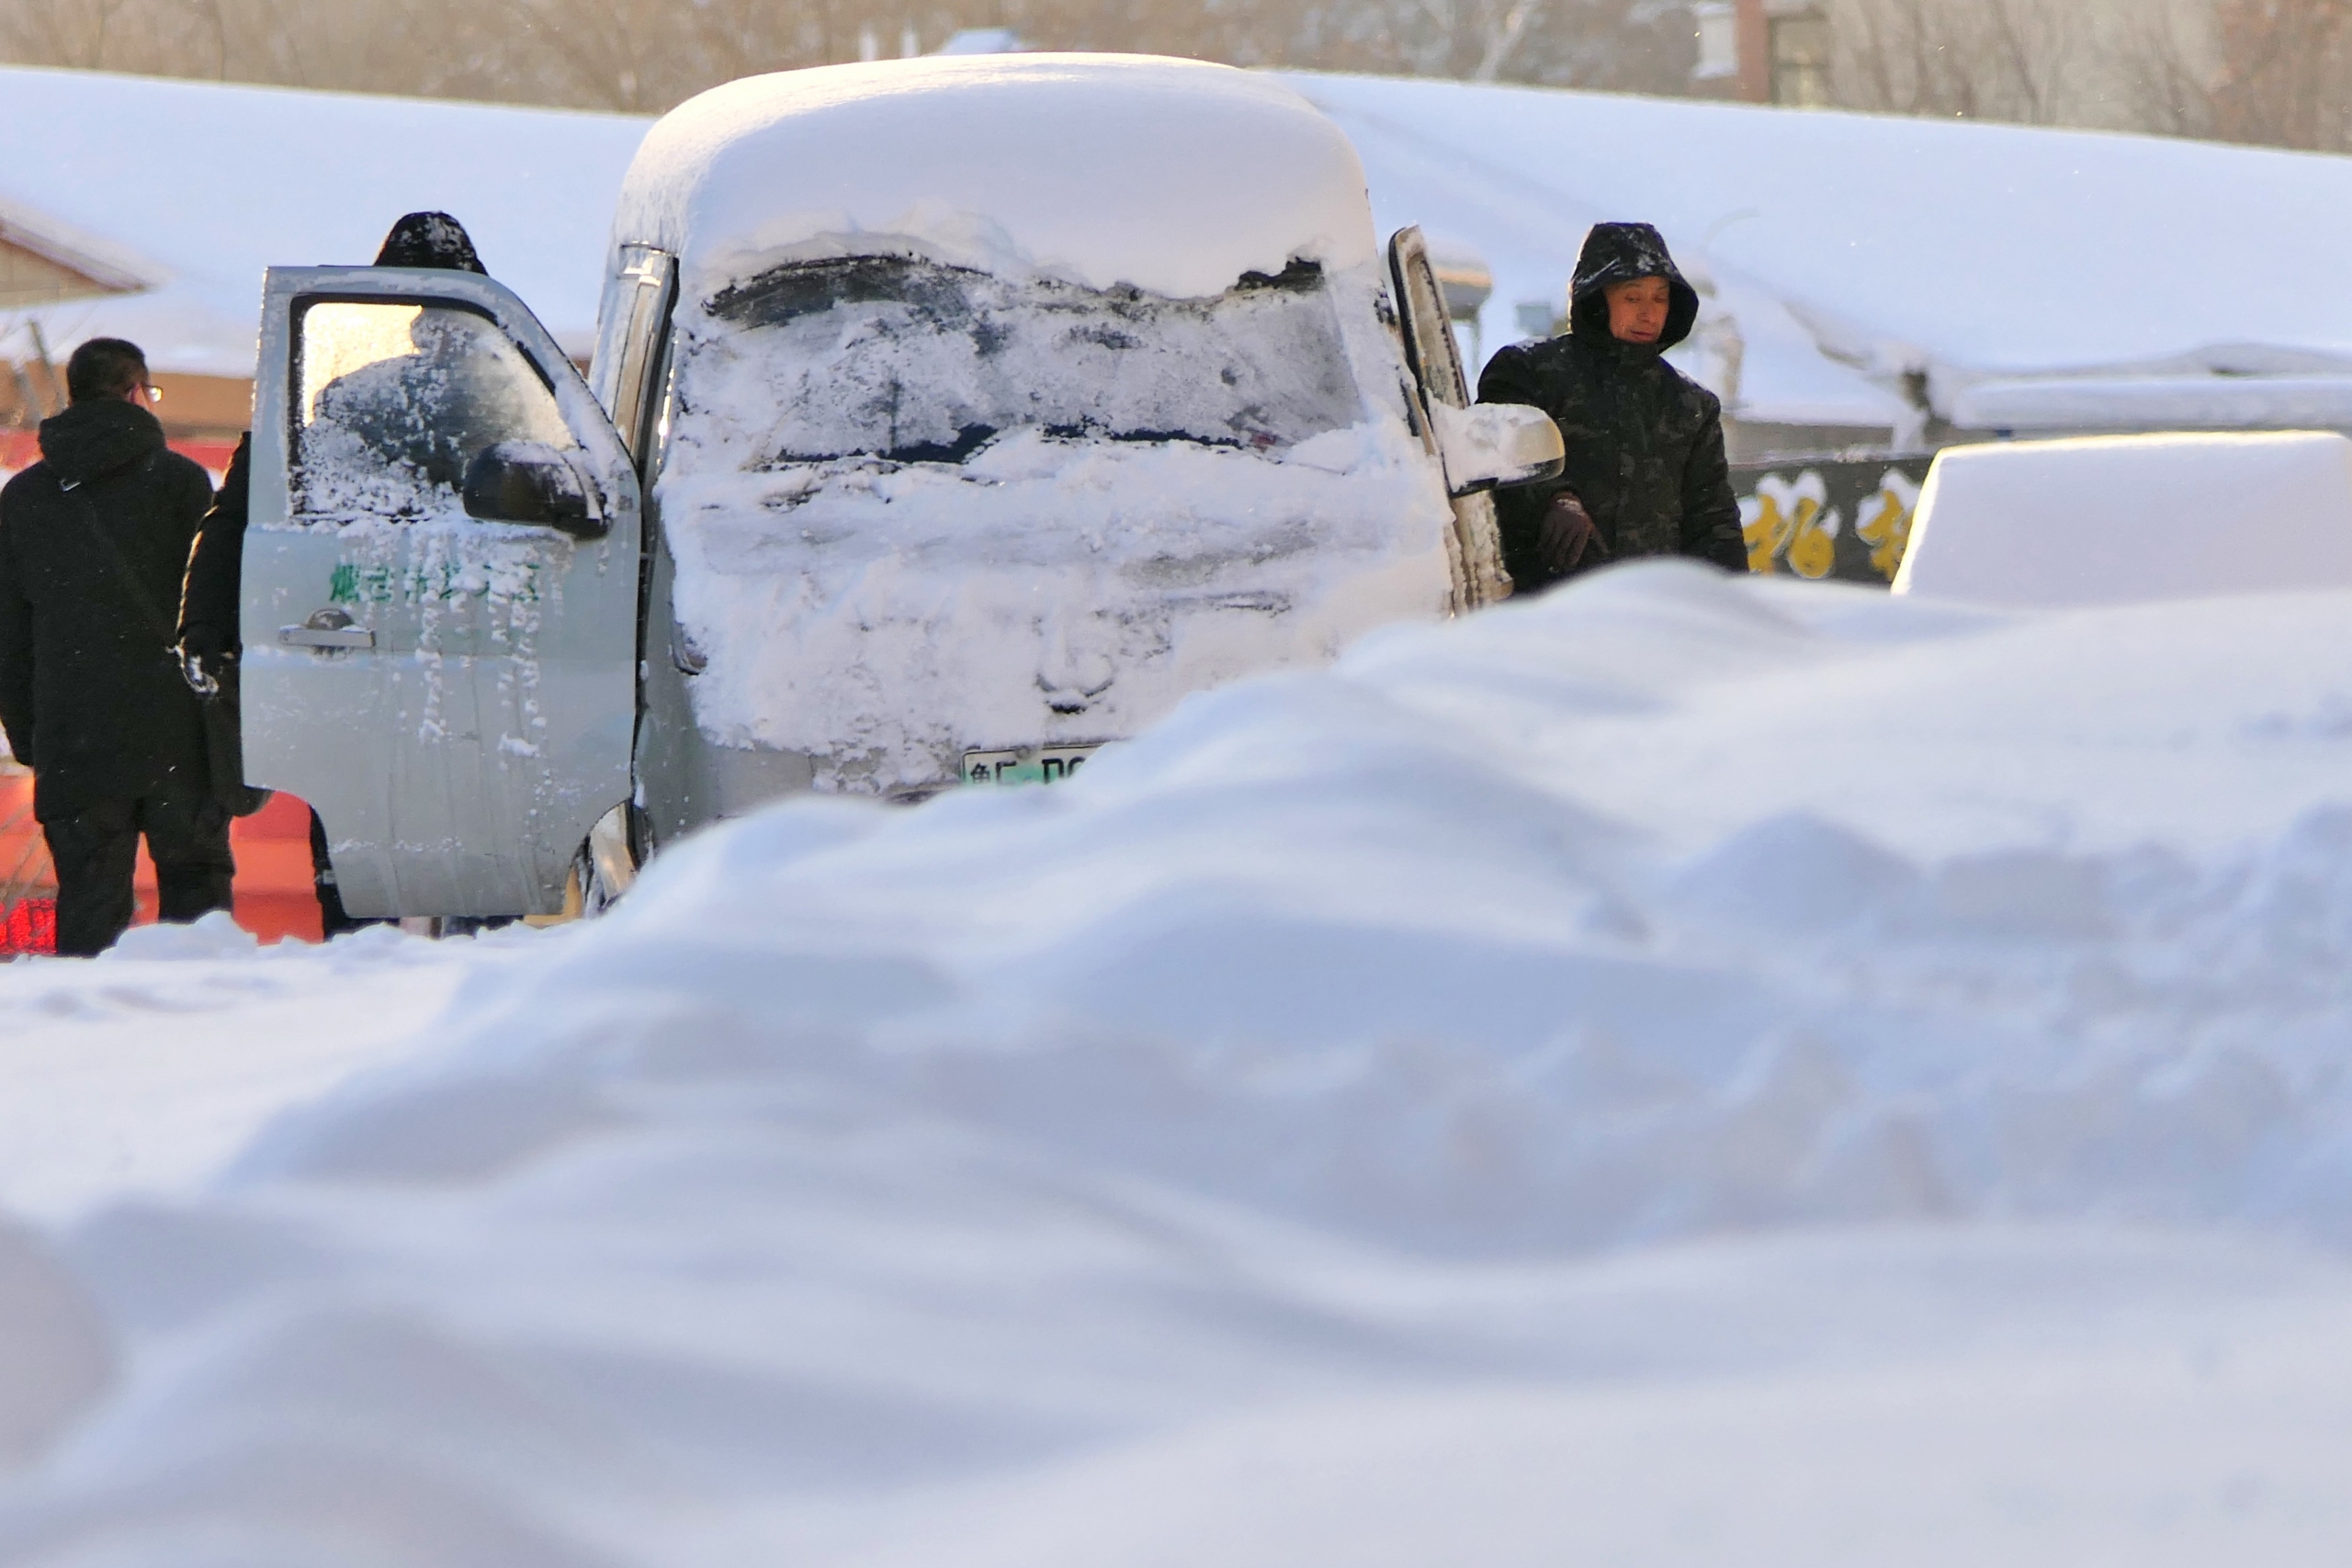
column 947, row 419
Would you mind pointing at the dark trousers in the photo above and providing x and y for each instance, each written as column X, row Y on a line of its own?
column 333, row 921
column 94, row 851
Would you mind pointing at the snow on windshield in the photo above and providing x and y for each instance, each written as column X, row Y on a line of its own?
column 907, row 359
column 916, row 510
column 397, row 398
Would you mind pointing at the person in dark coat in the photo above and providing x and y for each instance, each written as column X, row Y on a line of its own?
column 211, row 597
column 1646, row 473
column 93, row 541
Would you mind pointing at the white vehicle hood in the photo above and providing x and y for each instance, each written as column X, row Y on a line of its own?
column 884, row 618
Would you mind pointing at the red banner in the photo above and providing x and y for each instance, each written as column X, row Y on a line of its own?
column 29, row 925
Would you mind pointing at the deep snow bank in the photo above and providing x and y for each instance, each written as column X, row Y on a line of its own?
column 146, row 1073
column 1048, row 1175
column 1672, row 904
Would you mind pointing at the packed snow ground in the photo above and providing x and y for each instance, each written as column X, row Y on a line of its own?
column 145, row 1074
column 1686, row 1071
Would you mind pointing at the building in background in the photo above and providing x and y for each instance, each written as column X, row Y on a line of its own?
column 45, row 264
column 1765, row 52
column 1781, row 50
column 2175, row 67
column 41, row 264
column 134, row 206
column 52, row 271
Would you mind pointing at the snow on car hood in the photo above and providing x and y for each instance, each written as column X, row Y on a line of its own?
column 909, row 516
column 1168, row 175
column 883, row 618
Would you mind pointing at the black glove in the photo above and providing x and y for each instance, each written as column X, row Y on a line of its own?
column 1567, row 540
column 204, row 661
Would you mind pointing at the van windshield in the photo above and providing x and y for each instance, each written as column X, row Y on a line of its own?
column 916, row 362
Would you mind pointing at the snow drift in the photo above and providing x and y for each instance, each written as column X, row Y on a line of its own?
column 1300, row 1138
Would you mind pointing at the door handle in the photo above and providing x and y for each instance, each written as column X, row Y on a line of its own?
column 330, row 627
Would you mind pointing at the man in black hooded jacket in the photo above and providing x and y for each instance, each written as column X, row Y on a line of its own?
column 1646, row 473
column 93, row 541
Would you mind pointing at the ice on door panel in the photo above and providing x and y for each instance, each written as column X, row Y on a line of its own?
column 397, row 400
column 453, row 693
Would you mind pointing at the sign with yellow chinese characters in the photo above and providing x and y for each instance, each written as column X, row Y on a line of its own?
column 1846, row 520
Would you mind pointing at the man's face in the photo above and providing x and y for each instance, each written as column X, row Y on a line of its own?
column 1637, row 310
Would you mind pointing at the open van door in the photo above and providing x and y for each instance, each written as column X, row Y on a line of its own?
column 440, row 589
column 1435, row 359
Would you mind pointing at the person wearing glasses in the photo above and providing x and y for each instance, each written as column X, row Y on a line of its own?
column 94, row 539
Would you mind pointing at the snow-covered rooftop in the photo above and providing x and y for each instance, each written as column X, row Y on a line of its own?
column 1990, row 258
column 1965, row 251
column 96, row 266
column 1168, row 175
column 200, row 186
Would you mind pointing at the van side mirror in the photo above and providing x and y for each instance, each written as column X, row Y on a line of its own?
column 532, row 482
column 1495, row 446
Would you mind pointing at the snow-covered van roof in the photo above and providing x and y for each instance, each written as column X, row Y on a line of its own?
column 1168, row 175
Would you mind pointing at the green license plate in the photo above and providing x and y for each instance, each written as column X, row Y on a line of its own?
column 1029, row 764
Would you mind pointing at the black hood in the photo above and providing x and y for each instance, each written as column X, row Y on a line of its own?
column 1620, row 253
column 430, row 240
column 99, row 437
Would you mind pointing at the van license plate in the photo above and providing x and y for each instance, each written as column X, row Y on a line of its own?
column 1030, row 764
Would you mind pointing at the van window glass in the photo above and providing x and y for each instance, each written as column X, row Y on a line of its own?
column 393, row 401
column 913, row 361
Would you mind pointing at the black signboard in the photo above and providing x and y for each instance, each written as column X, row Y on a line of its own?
column 1845, row 520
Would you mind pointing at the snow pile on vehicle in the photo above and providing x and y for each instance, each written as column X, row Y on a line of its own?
column 1173, row 176
column 1255, row 1150
column 882, row 620
column 900, row 532
column 1006, row 414
column 2117, row 519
